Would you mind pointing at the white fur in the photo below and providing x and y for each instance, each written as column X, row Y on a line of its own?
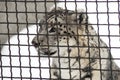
column 90, row 7
column 24, row 60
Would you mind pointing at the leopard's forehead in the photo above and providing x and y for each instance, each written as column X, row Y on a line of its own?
column 55, row 13
column 64, row 21
column 58, row 15
column 59, row 11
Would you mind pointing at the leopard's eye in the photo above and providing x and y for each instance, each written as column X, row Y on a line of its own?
column 52, row 30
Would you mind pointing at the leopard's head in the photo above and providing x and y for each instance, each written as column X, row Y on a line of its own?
column 59, row 31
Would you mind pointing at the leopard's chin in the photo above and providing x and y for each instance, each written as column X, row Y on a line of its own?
column 48, row 53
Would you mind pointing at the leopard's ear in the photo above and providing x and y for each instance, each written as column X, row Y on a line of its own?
column 83, row 18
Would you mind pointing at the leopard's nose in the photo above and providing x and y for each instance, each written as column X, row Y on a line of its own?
column 35, row 44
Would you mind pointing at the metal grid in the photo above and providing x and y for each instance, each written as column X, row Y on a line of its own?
column 20, row 59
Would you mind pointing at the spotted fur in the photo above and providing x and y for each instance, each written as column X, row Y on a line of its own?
column 78, row 52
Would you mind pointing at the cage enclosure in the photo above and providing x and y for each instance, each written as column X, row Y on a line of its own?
column 59, row 40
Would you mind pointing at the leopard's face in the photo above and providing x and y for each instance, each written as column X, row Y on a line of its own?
column 57, row 32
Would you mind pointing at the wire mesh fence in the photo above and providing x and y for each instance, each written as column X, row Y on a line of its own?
column 59, row 39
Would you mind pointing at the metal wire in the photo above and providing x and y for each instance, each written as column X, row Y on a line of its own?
column 29, row 68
